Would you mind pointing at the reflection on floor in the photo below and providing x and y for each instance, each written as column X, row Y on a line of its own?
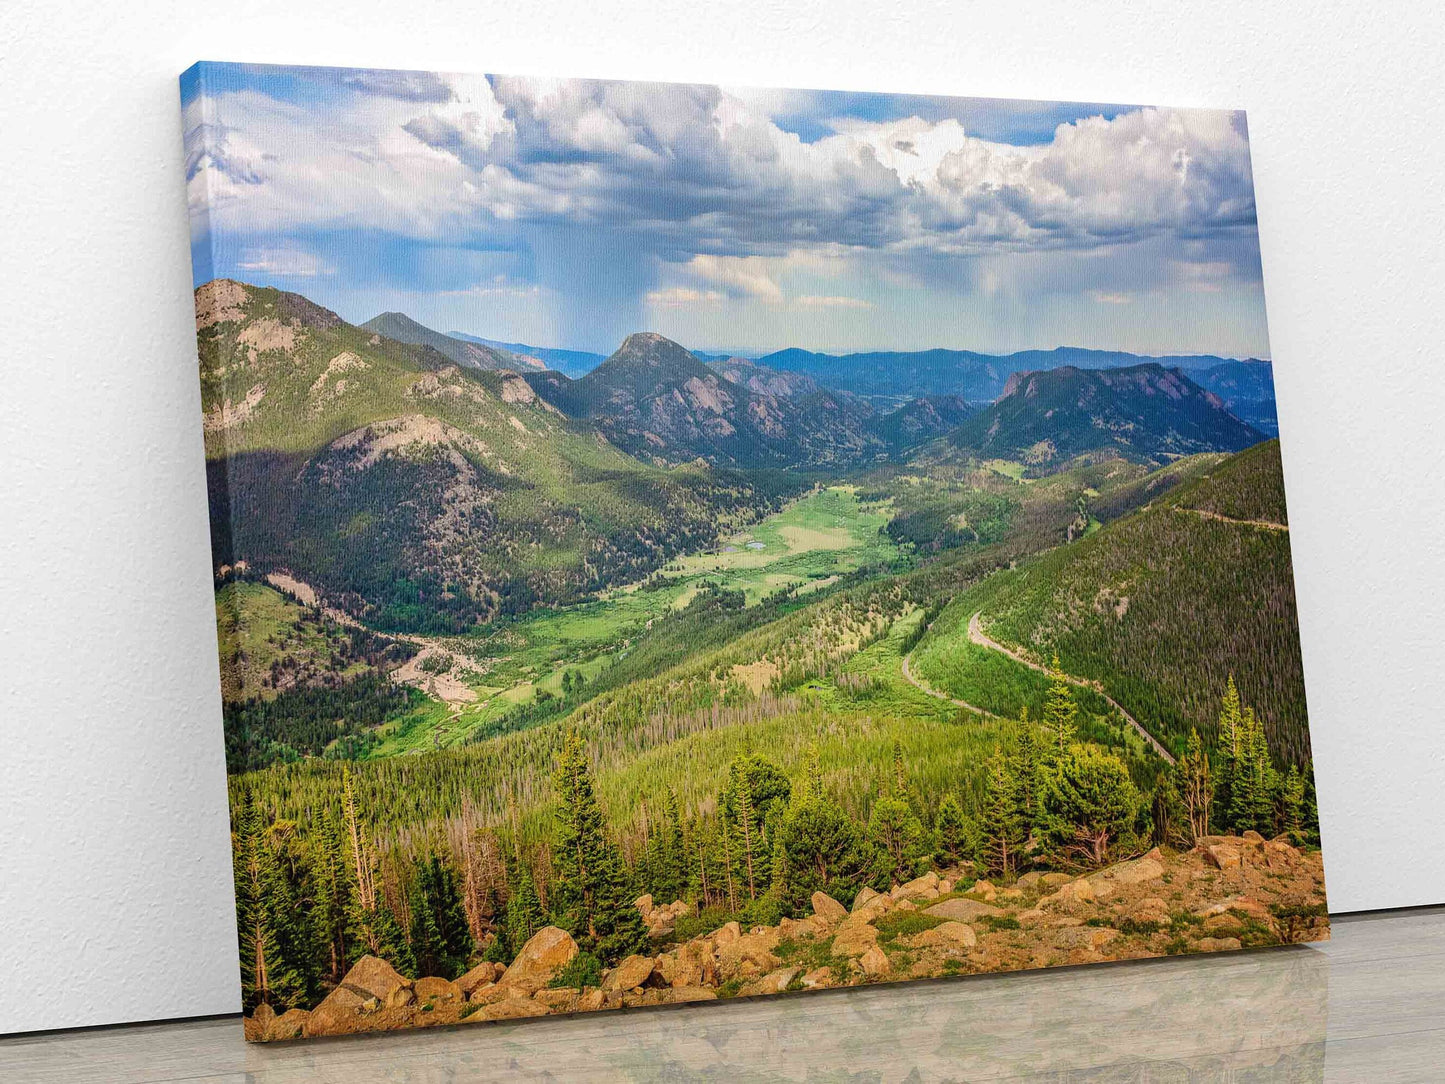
column 1369, row 1006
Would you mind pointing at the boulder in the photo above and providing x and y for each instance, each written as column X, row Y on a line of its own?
column 259, row 1022
column 984, row 890
column 1106, row 882
column 512, row 1008
column 749, row 956
column 1054, row 880
column 371, row 976
column 438, row 991
column 906, row 905
column 875, row 963
column 948, row 935
column 920, row 888
column 631, row 972
column 1222, row 856
column 1070, row 894
column 945, row 886
column 1216, row 944
column 774, row 982
column 678, row 995
column 337, row 1013
column 591, row 1000
column 854, row 940
column 480, row 975
column 558, row 999
column 1028, row 880
column 827, row 908
column 693, row 964
column 818, row 978
column 1280, row 854
column 960, row 910
column 547, row 952
column 730, row 932
column 864, row 895
column 644, row 904
column 291, row 1024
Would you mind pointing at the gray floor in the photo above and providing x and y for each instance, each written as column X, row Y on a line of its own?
column 1369, row 1006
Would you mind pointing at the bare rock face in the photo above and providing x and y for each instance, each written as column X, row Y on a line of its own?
column 961, row 910
column 371, row 976
column 547, row 952
column 631, row 972
column 827, row 908
column 724, row 934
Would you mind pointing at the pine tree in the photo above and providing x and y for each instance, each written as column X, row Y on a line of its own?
column 957, row 836
column 900, row 778
column 272, row 971
column 524, row 912
column 1255, row 781
column 1002, row 831
column 335, row 892
column 1090, row 803
column 441, row 940
column 371, row 925
column 897, row 835
column 1060, row 713
column 819, row 848
column 1291, row 803
column 1229, row 753
column 1030, row 757
column 592, row 896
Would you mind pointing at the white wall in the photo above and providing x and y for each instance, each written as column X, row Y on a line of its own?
column 115, row 892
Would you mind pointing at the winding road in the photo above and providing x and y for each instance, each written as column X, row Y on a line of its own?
column 1262, row 524
column 924, row 687
column 981, row 638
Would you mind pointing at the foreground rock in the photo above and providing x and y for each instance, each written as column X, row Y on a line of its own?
column 547, row 952
column 1228, row 892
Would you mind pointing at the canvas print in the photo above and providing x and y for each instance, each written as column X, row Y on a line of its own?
column 677, row 543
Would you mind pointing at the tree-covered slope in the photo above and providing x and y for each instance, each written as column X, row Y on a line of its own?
column 416, row 494
column 1145, row 413
column 1161, row 606
column 402, row 328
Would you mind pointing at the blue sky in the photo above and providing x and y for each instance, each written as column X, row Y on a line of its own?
column 573, row 212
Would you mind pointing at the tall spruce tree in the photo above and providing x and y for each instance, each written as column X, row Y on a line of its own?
column 524, row 915
column 1060, row 712
column 1002, row 831
column 272, row 971
column 592, row 895
column 1230, row 726
column 819, row 848
column 441, row 940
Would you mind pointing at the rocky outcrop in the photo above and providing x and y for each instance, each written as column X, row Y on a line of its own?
column 1160, row 903
column 547, row 952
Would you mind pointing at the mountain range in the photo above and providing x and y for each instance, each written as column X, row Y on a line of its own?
column 1144, row 413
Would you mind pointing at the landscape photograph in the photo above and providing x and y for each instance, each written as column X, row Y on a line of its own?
column 676, row 543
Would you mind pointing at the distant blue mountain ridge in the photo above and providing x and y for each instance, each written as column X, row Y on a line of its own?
column 889, row 378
